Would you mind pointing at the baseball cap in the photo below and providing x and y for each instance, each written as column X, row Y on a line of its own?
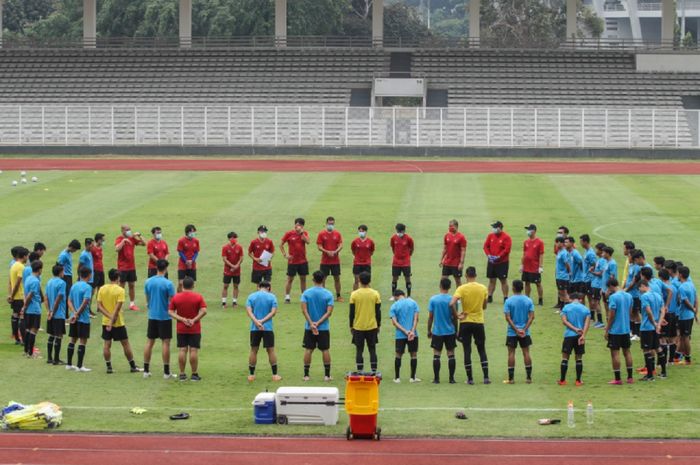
column 262, row 228
column 497, row 224
column 531, row 227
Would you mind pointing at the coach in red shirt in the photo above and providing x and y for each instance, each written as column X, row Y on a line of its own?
column 402, row 246
column 98, row 279
column 126, row 264
column 188, row 250
column 497, row 248
column 362, row 250
column 330, row 243
column 157, row 249
column 261, row 272
column 188, row 308
column 453, row 253
column 296, row 239
column 232, row 255
column 533, row 259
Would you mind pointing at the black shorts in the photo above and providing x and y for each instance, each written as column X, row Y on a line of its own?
column 182, row 274
column 402, row 343
column 69, row 282
column 369, row 337
column 585, row 288
column 330, row 270
column 257, row 276
column 56, row 327
column 636, row 304
column 534, row 278
column 16, row 306
column 685, row 327
column 153, row 272
column 671, row 328
column 127, row 276
column 117, row 333
column 232, row 279
column 467, row 331
column 159, row 329
column 302, row 269
column 618, row 341
column 497, row 270
column 267, row 338
column 649, row 340
column 193, row 341
column 357, row 269
column 571, row 344
column 515, row 341
column 577, row 287
column 98, row 279
column 397, row 271
column 79, row 330
column 320, row 341
column 32, row 321
column 594, row 293
column 449, row 342
column 451, row 271
column 562, row 285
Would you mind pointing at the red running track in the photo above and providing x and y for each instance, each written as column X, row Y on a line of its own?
column 94, row 449
column 325, row 165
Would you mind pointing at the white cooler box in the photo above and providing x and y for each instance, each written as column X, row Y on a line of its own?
column 307, row 405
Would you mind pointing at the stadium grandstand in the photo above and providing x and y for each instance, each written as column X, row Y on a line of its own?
column 327, row 91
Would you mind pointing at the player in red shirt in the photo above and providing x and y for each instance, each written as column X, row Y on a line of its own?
column 453, row 253
column 126, row 264
column 297, row 239
column 157, row 249
column 98, row 279
column 497, row 248
column 362, row 251
column 188, row 249
column 261, row 271
column 402, row 246
column 188, row 308
column 533, row 261
column 232, row 255
column 330, row 243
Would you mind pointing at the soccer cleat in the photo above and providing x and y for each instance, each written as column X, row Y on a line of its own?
column 397, row 380
column 234, row 303
column 562, row 383
column 508, row 381
column 306, row 378
column 251, row 378
column 183, row 377
column 528, row 381
column 146, row 374
column 579, row 383
column 71, row 368
column 663, row 376
column 469, row 382
column 58, row 362
column 110, row 371
column 490, row 299
column 169, row 376
column 487, row 381
column 84, row 369
column 195, row 378
column 436, row 381
column 340, row 299
column 414, row 380
column 615, row 382
column 630, row 380
column 642, row 370
column 276, row 378
column 646, row 378
column 287, row 300
column 49, row 361
column 634, row 337
column 223, row 304
column 133, row 308
column 327, row 378
column 452, row 381
column 136, row 370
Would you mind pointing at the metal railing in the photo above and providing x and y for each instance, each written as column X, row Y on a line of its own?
column 291, row 126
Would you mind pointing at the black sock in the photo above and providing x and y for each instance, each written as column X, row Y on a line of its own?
column 671, row 352
column 408, row 288
column 166, row 369
column 57, row 348
column 81, row 355
column 662, row 360
column 71, row 351
column 629, row 372
column 132, row 363
column 599, row 316
column 528, row 371
column 511, row 373
column 485, row 368
column 687, row 358
column 26, row 342
column 579, row 369
column 436, row 367
column 109, row 364
column 394, row 285
column 451, row 365
column 414, row 367
column 274, row 369
column 397, row 367
column 373, row 357
column 327, row 369
column 32, row 341
column 359, row 359
column 306, row 370
column 649, row 360
column 617, row 375
column 470, row 373
column 15, row 327
column 563, row 369
column 49, row 349
column 635, row 328
column 146, row 367
column 251, row 369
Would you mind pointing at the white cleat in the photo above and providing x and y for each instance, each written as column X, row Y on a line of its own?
column 397, row 380
column 415, row 380
column 146, row 374
column 169, row 376
column 84, row 370
column 71, row 368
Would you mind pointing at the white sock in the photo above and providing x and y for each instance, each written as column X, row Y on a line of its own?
column 235, row 301
column 132, row 303
column 223, row 300
column 288, row 297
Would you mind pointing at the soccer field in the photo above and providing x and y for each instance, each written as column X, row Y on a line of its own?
column 657, row 212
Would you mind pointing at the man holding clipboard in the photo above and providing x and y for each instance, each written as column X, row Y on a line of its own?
column 261, row 250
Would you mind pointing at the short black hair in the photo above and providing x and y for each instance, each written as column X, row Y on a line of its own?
column 84, row 272
column 57, row 269
column 89, row 241
column 646, row 273
column 570, row 239
column 155, row 228
column 75, row 244
column 585, row 238
column 644, row 283
column 659, row 261
column 232, row 235
column 664, row 275
column 559, row 240
column 671, row 265
column 189, row 228
column 300, row 221
column 608, row 250
column 684, row 271
column 600, row 245
column 445, row 284
column 365, row 278
column 39, row 246
column 638, row 254
column 470, row 272
column 318, row 277
column 399, row 292
column 22, row 252
column 576, row 296
column 612, row 282
column 188, row 283
column 33, row 256
column 400, row 227
column 330, row 218
column 629, row 245
column 113, row 275
column 264, row 285
column 37, row 265
column 162, row 264
column 517, row 285
column 15, row 250
column 362, row 227
column 564, row 228
column 99, row 236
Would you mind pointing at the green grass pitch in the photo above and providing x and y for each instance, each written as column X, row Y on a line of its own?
column 658, row 213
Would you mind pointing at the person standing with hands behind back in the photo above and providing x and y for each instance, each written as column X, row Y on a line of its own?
column 330, row 243
column 453, row 253
column 232, row 255
column 188, row 249
column 532, row 263
column 188, row 308
column 297, row 240
column 497, row 248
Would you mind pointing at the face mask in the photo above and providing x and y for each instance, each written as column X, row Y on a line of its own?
column 453, row 229
column 262, row 235
column 529, row 233
column 495, row 230
column 362, row 234
column 128, row 233
column 400, row 234
column 191, row 235
column 233, row 240
column 159, row 236
column 330, row 227
column 560, row 235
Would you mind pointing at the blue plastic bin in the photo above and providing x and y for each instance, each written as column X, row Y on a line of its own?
column 264, row 410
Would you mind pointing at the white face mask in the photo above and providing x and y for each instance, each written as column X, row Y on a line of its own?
column 530, row 233
column 400, row 234
column 191, row 235
column 495, row 230
column 159, row 236
column 262, row 235
column 330, row 227
column 362, row 234
column 128, row 233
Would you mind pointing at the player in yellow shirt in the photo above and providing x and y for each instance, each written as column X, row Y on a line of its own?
column 16, row 296
column 365, row 320
column 473, row 297
column 110, row 303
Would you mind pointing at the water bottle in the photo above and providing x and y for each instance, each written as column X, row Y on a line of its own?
column 589, row 413
column 570, row 415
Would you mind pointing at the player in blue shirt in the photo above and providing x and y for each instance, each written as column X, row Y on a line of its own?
column 261, row 307
column 674, row 308
column 653, row 311
column 562, row 272
column 589, row 261
column 79, row 330
column 56, row 299
column 31, row 310
column 442, row 329
column 598, row 288
column 617, row 329
column 576, row 265
column 65, row 259
column 159, row 292
column 576, row 318
column 688, row 311
column 85, row 259
column 519, row 313
column 317, row 307
column 404, row 317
